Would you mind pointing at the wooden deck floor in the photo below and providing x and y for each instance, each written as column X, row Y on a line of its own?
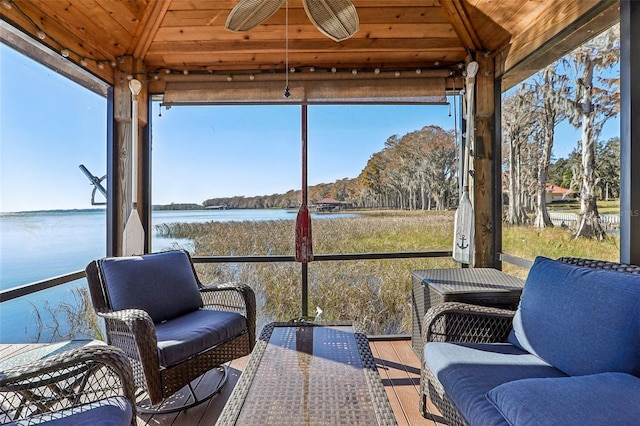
column 397, row 363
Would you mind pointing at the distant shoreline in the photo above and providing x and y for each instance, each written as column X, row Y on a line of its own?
column 167, row 207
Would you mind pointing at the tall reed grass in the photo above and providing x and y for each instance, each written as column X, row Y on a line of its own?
column 374, row 292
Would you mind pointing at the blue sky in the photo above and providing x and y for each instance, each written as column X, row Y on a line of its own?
column 49, row 126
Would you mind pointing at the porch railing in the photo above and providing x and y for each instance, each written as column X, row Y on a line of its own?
column 26, row 289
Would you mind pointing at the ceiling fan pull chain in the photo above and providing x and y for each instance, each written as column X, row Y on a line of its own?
column 286, row 50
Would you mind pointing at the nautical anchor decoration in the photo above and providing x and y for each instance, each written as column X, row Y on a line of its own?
column 462, row 238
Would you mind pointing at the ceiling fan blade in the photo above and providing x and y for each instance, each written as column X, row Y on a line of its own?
column 250, row 13
column 337, row 19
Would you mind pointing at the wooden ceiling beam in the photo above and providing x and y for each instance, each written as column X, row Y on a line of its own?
column 229, row 4
column 307, row 31
column 462, row 25
column 41, row 53
column 317, row 46
column 148, row 28
column 562, row 27
column 368, row 15
column 255, row 61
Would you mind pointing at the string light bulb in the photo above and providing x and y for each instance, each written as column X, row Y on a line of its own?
column 64, row 53
column 42, row 35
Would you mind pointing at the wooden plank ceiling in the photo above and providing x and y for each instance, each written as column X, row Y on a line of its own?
column 187, row 38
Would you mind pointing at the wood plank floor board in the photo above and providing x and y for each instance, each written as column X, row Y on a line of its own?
column 388, row 374
column 403, row 379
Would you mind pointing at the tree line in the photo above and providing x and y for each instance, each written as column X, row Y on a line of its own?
column 413, row 172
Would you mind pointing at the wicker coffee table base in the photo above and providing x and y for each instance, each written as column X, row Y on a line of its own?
column 309, row 373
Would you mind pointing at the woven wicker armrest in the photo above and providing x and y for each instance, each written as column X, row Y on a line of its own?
column 66, row 382
column 461, row 322
column 233, row 297
column 133, row 331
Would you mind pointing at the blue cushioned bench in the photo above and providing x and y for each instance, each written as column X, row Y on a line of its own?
column 570, row 354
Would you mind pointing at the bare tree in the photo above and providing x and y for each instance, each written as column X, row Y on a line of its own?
column 549, row 87
column 593, row 103
column 517, row 129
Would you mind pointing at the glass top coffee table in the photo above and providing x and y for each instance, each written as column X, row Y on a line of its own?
column 309, row 374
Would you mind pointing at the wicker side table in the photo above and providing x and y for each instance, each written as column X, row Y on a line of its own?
column 477, row 286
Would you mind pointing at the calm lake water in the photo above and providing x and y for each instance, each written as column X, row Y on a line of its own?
column 39, row 245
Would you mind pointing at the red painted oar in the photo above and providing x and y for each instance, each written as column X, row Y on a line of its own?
column 304, row 246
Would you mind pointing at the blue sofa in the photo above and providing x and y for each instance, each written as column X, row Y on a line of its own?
column 570, row 354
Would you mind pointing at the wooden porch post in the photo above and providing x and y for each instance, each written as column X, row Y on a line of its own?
column 483, row 193
column 117, row 190
column 629, row 132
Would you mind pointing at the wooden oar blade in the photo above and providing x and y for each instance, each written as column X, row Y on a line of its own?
column 133, row 241
column 463, row 237
column 304, row 246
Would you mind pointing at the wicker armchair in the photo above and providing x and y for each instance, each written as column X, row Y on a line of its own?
column 172, row 328
column 88, row 385
column 459, row 322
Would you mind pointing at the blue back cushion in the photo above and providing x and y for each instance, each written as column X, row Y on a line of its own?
column 162, row 284
column 580, row 320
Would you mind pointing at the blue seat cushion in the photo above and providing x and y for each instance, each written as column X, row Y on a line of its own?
column 599, row 399
column 190, row 334
column 467, row 371
column 580, row 320
column 114, row 411
column 162, row 284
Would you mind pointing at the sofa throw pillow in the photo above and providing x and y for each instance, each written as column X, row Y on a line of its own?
column 600, row 399
column 580, row 320
column 162, row 284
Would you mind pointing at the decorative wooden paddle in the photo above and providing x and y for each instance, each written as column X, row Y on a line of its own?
column 133, row 241
column 464, row 227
